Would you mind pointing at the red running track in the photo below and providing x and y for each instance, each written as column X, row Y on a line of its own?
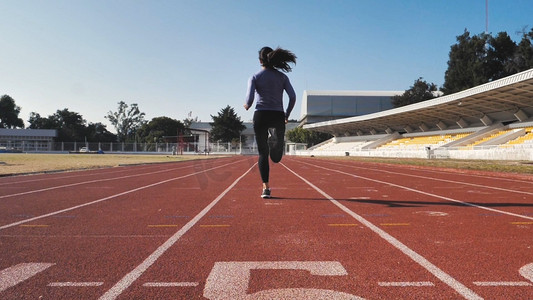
column 335, row 229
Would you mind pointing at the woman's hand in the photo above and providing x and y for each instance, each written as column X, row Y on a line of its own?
column 246, row 106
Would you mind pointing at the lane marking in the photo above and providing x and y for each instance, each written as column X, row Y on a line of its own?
column 444, row 180
column 112, row 196
column 419, row 259
column 424, row 193
column 432, row 213
column 214, row 226
column 406, row 283
column 502, row 283
column 16, row 274
column 171, row 284
column 79, row 183
column 473, row 175
column 333, row 216
column 48, row 178
column 522, row 223
column 84, row 182
column 132, row 276
column 230, row 280
column 527, row 272
column 105, row 236
column 74, row 284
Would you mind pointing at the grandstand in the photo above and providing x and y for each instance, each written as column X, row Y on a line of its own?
column 490, row 121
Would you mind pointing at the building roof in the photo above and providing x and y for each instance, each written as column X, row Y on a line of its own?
column 504, row 100
column 28, row 132
column 353, row 94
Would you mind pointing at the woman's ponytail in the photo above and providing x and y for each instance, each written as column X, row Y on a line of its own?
column 277, row 59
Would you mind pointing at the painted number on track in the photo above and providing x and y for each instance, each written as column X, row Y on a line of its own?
column 229, row 280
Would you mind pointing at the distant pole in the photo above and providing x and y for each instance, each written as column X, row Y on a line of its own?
column 487, row 16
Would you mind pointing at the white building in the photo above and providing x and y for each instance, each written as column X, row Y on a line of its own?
column 27, row 139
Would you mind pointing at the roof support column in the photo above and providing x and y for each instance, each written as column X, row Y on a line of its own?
column 423, row 127
column 408, row 129
column 462, row 123
column 521, row 116
column 486, row 120
column 441, row 125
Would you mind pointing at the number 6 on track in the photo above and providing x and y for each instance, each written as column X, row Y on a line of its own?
column 229, row 280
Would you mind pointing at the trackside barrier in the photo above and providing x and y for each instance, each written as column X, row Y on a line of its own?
column 492, row 152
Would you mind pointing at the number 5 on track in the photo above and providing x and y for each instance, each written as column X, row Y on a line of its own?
column 229, row 280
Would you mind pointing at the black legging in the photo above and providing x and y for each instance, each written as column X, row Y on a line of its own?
column 263, row 120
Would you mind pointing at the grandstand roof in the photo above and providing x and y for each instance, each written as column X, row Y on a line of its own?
column 504, row 100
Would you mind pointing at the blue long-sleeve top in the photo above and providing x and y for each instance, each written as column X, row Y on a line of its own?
column 267, row 86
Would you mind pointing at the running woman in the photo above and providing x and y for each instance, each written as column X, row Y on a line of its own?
column 270, row 118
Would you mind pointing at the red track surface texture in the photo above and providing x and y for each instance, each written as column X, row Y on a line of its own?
column 334, row 230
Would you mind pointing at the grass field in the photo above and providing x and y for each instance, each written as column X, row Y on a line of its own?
column 520, row 167
column 22, row 163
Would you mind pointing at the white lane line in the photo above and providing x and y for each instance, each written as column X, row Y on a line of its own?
column 75, row 284
column 127, row 280
column 419, row 259
column 406, row 283
column 474, row 175
column 91, row 181
column 502, row 283
column 16, row 274
column 109, row 197
column 446, row 180
column 426, row 193
column 80, row 183
column 72, row 174
column 171, row 284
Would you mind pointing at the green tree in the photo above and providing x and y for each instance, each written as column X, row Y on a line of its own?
column 227, row 126
column 418, row 92
column 9, row 113
column 157, row 128
column 311, row 138
column 523, row 57
column 500, row 54
column 466, row 64
column 126, row 120
column 38, row 122
column 97, row 132
column 71, row 126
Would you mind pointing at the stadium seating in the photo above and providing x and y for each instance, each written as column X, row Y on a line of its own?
column 421, row 142
column 527, row 138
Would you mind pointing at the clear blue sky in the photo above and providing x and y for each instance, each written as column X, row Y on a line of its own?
column 174, row 57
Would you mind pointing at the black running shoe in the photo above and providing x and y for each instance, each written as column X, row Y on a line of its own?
column 266, row 193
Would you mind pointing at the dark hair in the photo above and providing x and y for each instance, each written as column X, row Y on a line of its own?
column 278, row 59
